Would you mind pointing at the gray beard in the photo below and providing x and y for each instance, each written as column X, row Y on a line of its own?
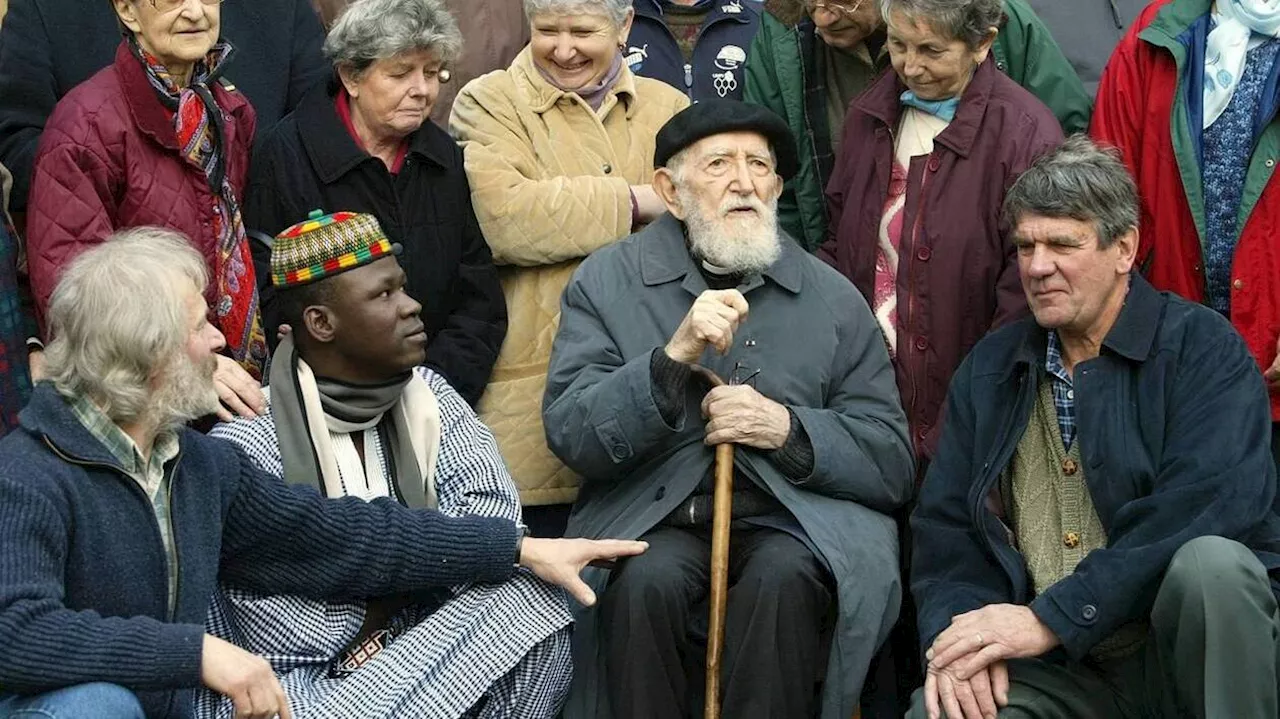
column 187, row 393
column 736, row 246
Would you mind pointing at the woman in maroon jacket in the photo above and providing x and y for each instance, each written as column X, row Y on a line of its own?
column 157, row 138
column 927, row 155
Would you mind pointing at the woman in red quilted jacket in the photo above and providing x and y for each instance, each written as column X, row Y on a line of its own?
column 157, row 138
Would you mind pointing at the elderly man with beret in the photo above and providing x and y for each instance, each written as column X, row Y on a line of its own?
column 1097, row 535
column 822, row 449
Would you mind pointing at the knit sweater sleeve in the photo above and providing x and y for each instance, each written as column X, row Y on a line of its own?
column 47, row 645
column 285, row 539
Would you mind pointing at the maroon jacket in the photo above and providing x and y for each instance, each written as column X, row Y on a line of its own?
column 108, row 160
column 957, row 273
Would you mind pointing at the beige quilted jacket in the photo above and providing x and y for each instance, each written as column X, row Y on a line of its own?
column 550, row 180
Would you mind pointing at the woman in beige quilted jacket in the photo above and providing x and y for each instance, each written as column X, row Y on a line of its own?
column 559, row 152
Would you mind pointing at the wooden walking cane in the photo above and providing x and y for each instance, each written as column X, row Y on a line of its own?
column 721, row 515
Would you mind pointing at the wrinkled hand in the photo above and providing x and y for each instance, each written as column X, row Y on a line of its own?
column 741, row 415
column 35, row 365
column 712, row 320
column 994, row 633
column 979, row 697
column 649, row 206
column 559, row 561
column 1272, row 375
column 238, row 390
column 246, row 679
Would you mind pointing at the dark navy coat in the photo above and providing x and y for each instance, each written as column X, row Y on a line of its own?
column 718, row 57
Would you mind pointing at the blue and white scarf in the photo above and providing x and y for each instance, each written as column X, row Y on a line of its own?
column 1228, row 44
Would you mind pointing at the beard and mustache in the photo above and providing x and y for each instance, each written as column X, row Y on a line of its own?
column 738, row 244
column 186, row 393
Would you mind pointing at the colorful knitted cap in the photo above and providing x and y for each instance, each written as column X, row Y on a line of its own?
column 326, row 245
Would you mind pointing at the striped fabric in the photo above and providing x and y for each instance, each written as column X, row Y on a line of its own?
column 325, row 245
column 489, row 651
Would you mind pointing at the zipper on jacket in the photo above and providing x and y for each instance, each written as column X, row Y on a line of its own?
column 151, row 512
column 173, row 536
column 688, row 78
column 991, row 475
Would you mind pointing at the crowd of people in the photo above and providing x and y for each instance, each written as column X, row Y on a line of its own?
column 369, row 358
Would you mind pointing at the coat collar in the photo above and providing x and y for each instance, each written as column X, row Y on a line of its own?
column 149, row 114
column 664, row 257
column 542, row 95
column 1174, row 19
column 332, row 150
column 717, row 11
column 50, row 418
column 1132, row 336
column 881, row 102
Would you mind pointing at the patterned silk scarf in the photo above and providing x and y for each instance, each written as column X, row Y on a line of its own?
column 199, row 130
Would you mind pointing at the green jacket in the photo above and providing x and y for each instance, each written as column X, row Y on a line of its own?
column 785, row 72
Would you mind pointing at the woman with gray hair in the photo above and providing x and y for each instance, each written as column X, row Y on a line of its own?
column 559, row 151
column 927, row 155
column 363, row 143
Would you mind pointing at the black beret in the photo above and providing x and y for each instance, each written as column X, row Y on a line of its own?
column 712, row 117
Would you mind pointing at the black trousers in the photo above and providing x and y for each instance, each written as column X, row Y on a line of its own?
column 779, row 598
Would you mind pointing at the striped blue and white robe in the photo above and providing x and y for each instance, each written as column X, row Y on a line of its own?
column 492, row 650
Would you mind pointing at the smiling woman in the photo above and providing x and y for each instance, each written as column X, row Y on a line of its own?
column 157, row 139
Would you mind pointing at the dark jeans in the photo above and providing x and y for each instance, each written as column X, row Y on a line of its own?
column 1212, row 651
column 779, row 598
column 83, row 701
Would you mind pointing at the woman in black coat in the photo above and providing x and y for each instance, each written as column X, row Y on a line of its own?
column 363, row 143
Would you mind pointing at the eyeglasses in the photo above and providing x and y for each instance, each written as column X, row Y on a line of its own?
column 840, row 11
column 171, row 5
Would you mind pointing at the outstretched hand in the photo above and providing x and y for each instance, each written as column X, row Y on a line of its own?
column 238, row 390
column 559, row 561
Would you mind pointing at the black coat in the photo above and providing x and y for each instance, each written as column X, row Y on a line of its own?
column 309, row 161
column 48, row 47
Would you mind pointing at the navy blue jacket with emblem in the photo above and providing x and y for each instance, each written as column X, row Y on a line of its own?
column 83, row 573
column 718, row 56
column 1174, row 430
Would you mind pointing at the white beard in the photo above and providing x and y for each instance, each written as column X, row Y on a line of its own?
column 738, row 245
column 186, row 394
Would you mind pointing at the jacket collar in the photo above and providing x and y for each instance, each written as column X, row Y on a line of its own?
column 881, row 102
column 332, row 150
column 542, row 95
column 1133, row 336
column 1172, row 20
column 664, row 257
column 149, row 114
column 49, row 417
column 717, row 11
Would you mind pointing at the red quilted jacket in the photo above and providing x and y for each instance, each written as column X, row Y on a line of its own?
column 108, row 160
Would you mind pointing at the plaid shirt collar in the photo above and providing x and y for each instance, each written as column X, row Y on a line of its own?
column 1064, row 396
column 122, row 447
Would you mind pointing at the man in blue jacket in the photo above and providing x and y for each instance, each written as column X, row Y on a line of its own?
column 698, row 46
column 116, row 523
column 1097, row 535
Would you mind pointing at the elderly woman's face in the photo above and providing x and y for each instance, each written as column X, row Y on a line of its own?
column 932, row 65
column 394, row 95
column 576, row 50
column 178, row 33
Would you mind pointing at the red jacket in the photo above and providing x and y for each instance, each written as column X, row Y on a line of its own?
column 108, row 160
column 1139, row 104
column 957, row 272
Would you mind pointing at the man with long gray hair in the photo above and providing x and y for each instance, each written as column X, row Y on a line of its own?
column 116, row 522
column 1097, row 535
column 822, row 448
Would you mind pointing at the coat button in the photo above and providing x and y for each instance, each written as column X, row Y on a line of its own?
column 619, row 451
column 934, row 162
column 658, row 495
column 922, row 343
column 1071, row 540
column 607, row 168
column 1271, row 162
column 923, row 254
column 1089, row 612
column 1069, row 467
column 1238, row 284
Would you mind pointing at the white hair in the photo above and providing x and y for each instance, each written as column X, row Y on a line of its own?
column 615, row 10
column 119, row 317
column 372, row 30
